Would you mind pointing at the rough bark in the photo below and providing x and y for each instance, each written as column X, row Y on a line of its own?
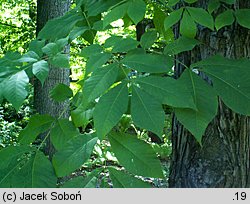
column 224, row 159
column 47, row 10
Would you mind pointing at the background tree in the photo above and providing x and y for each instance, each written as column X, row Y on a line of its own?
column 47, row 10
column 223, row 159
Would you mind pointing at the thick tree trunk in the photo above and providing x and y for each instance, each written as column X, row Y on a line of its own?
column 47, row 10
column 224, row 159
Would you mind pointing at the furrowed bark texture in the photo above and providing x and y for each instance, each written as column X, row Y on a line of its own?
column 223, row 161
column 47, row 10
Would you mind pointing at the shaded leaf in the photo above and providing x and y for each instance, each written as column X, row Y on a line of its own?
column 110, row 109
column 15, row 88
column 136, row 10
column 224, row 19
column 76, row 152
column 188, row 27
column 135, row 155
column 21, row 171
column 148, row 39
column 60, row 27
column 100, row 81
column 243, row 17
column 205, row 99
column 41, row 70
column 147, row 63
column 231, row 86
column 173, row 18
column 29, row 57
column 62, row 132
column 96, row 61
column 61, row 92
column 146, row 111
column 120, row 179
column 60, row 60
column 37, row 125
column 169, row 91
column 213, row 5
column 115, row 14
column 182, row 44
column 81, row 117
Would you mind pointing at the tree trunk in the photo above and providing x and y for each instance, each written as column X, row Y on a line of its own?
column 224, row 159
column 47, row 10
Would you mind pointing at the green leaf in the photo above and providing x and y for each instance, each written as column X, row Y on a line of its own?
column 151, row 63
column 36, row 46
column 173, row 18
column 120, row 179
column 190, row 1
column 169, row 91
column 205, row 99
column 88, row 182
column 201, row 16
column 224, row 19
column 112, row 41
column 74, row 154
column 243, row 17
column 228, row 1
column 148, row 39
column 120, row 44
column 15, row 88
column 9, row 163
column 100, row 81
column 146, row 111
column 7, row 72
column 60, row 60
column 135, row 155
column 61, row 43
column 76, row 182
column 61, row 92
column 188, row 27
column 62, row 132
column 136, row 10
column 29, row 57
column 172, row 2
column 96, row 61
column 94, row 49
column 37, row 125
column 81, row 117
column 9, row 155
column 158, row 19
column 115, row 14
column 60, row 27
column 77, row 31
column 182, row 44
column 51, row 49
column 36, row 173
column 96, row 7
column 41, row 70
column 124, row 45
column 1, row 93
column 231, row 81
column 213, row 5
column 20, row 171
column 10, row 59
column 110, row 109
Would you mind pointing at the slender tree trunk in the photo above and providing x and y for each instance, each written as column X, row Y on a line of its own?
column 46, row 10
column 224, row 159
